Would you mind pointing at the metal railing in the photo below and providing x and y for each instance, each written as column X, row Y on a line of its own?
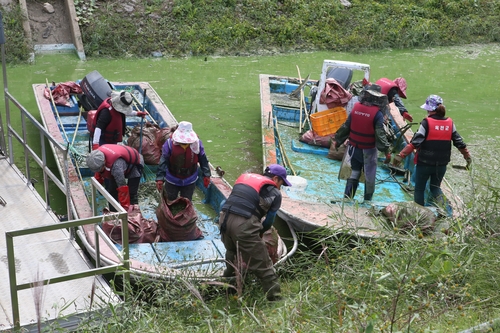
column 15, row 288
column 70, row 225
column 10, row 133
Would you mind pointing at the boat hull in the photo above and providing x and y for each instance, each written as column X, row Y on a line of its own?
column 198, row 259
column 316, row 201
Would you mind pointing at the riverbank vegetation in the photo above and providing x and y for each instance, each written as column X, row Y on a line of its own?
column 443, row 283
column 233, row 27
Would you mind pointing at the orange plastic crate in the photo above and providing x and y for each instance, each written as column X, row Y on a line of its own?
column 328, row 122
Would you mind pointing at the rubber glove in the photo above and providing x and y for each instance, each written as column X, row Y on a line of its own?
column 467, row 157
column 99, row 177
column 469, row 163
column 95, row 146
column 397, row 160
column 407, row 116
column 141, row 114
column 407, row 150
column 387, row 158
column 159, row 185
column 206, row 181
column 124, row 196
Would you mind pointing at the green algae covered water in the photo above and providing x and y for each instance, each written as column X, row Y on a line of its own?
column 220, row 95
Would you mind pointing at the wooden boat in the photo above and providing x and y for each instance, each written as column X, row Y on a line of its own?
column 316, row 199
column 195, row 259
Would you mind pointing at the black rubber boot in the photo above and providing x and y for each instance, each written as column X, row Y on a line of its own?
column 133, row 186
column 272, row 289
column 368, row 196
column 350, row 188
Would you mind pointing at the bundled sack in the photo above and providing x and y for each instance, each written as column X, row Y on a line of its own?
column 140, row 229
column 177, row 220
column 336, row 154
column 271, row 238
column 334, row 94
column 410, row 215
column 163, row 135
column 61, row 93
column 314, row 139
column 150, row 150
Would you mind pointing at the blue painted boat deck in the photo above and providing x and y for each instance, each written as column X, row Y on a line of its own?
column 311, row 162
column 206, row 203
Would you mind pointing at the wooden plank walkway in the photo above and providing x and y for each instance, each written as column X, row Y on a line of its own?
column 41, row 256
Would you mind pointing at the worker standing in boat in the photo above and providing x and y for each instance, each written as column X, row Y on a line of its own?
column 178, row 167
column 433, row 144
column 122, row 166
column 365, row 129
column 108, row 122
column 395, row 90
column 253, row 197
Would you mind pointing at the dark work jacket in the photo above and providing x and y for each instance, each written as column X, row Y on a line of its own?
column 111, row 123
column 436, row 149
column 244, row 198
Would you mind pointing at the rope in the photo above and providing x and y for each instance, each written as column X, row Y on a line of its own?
column 286, row 161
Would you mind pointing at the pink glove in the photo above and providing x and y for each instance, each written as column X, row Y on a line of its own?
column 99, row 177
column 95, row 146
column 206, row 181
column 407, row 116
column 141, row 114
column 159, row 185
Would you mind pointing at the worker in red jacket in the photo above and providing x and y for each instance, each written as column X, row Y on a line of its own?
column 122, row 166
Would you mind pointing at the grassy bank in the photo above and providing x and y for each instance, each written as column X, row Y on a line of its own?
column 232, row 27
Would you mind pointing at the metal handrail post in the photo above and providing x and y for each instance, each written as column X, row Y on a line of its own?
column 9, row 240
column 26, row 150
column 45, row 176
column 2, row 42
column 3, row 147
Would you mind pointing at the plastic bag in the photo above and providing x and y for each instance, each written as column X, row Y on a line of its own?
column 177, row 220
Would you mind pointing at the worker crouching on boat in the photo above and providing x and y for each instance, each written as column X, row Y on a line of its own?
column 108, row 122
column 122, row 166
column 253, row 197
column 433, row 144
column 178, row 167
column 365, row 129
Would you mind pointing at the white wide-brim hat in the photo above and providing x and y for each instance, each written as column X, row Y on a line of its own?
column 184, row 133
column 122, row 101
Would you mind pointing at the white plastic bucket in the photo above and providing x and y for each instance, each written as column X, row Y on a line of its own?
column 299, row 184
